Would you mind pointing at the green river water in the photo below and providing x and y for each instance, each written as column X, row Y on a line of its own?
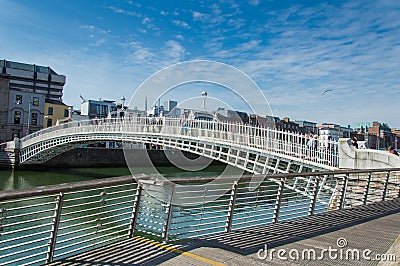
column 10, row 180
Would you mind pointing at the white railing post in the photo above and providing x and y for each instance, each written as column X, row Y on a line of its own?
column 231, row 209
column 278, row 201
column 168, row 212
column 385, row 186
column 366, row 189
column 314, row 196
column 135, row 211
column 54, row 227
column 343, row 192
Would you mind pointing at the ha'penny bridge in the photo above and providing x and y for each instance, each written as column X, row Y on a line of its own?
column 290, row 194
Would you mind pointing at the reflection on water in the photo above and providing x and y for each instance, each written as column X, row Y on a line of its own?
column 26, row 179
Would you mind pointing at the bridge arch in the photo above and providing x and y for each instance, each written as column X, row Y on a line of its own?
column 254, row 149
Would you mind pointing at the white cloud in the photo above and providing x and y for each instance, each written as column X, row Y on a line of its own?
column 294, row 54
column 254, row 2
column 151, row 59
column 174, row 51
column 146, row 20
column 92, row 28
column 125, row 12
column 200, row 16
column 88, row 27
column 181, row 24
column 349, row 50
column 100, row 42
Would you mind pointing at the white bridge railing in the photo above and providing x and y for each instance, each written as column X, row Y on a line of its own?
column 246, row 137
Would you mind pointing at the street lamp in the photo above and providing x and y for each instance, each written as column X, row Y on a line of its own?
column 121, row 111
column 204, row 95
column 123, row 102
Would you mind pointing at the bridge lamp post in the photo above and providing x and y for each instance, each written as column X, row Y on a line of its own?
column 204, row 95
column 122, row 106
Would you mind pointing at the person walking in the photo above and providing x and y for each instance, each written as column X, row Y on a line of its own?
column 354, row 142
column 393, row 151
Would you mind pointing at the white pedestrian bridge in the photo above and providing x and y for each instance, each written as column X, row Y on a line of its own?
column 256, row 149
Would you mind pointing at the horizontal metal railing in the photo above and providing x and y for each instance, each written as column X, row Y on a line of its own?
column 44, row 224
column 255, row 138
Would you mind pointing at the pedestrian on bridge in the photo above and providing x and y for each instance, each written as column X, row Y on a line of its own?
column 354, row 142
column 393, row 151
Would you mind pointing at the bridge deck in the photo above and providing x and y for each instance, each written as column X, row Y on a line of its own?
column 374, row 227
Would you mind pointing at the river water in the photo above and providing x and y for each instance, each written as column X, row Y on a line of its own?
column 10, row 180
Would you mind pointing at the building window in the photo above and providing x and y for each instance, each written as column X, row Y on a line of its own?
column 50, row 111
column 35, row 101
column 66, row 113
column 49, row 122
column 18, row 99
column 104, row 110
column 17, row 117
column 34, row 117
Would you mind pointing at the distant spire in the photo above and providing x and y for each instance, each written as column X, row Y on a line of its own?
column 145, row 103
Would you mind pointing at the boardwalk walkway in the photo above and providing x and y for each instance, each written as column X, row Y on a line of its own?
column 374, row 227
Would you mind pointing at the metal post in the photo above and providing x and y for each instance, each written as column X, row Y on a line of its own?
column 168, row 212
column 29, row 115
column 278, row 201
column 385, row 185
column 314, row 196
column 321, row 186
column 366, row 190
column 231, row 209
column 398, row 195
column 54, row 229
column 135, row 211
column 343, row 194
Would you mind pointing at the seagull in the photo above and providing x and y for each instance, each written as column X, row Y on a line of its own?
column 326, row 91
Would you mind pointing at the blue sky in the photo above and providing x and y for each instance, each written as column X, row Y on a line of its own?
column 294, row 50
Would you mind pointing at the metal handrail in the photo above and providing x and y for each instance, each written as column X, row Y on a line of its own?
column 121, row 180
column 67, row 187
column 90, row 214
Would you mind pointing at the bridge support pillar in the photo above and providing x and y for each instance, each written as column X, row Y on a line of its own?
column 9, row 156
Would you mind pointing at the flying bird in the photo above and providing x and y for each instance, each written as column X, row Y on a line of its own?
column 326, row 91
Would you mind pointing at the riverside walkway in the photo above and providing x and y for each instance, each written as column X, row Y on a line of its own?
column 374, row 227
column 205, row 220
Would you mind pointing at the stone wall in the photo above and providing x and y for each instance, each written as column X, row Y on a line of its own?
column 353, row 158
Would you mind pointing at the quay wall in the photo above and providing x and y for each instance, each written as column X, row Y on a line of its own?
column 352, row 158
column 8, row 151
